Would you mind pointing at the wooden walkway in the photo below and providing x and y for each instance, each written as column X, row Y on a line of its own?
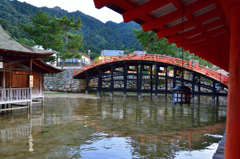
column 219, row 154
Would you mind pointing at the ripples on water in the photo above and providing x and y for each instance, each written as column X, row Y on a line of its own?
column 79, row 128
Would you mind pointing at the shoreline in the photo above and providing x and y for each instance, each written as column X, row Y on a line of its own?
column 70, row 95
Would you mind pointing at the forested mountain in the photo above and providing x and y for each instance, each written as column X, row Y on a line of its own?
column 96, row 35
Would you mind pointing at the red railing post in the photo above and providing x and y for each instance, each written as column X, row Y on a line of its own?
column 197, row 68
column 190, row 63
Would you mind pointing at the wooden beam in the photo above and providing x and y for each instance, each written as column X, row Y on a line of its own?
column 203, row 36
column 6, row 109
column 4, row 79
column 211, row 57
column 9, row 62
column 215, row 39
column 189, row 9
column 13, row 69
column 213, row 47
column 101, row 3
column 190, row 23
column 16, row 62
column 197, row 30
column 212, row 52
column 30, row 69
column 124, row 5
column 144, row 9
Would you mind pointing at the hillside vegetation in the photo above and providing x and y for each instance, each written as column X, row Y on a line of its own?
column 96, row 34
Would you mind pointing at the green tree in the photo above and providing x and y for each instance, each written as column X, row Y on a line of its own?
column 70, row 43
column 56, row 34
column 152, row 45
column 127, row 51
column 43, row 31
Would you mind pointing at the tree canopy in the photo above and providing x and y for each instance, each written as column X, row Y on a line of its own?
column 152, row 45
column 56, row 34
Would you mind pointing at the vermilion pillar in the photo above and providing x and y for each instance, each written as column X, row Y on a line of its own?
column 232, row 146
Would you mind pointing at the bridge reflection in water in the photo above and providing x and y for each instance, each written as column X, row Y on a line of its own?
column 154, row 74
column 79, row 128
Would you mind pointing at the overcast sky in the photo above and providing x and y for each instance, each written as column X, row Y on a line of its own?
column 85, row 6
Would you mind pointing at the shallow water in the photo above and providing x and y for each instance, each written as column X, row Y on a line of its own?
column 80, row 128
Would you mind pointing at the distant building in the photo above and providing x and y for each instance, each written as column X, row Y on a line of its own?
column 117, row 52
column 74, row 62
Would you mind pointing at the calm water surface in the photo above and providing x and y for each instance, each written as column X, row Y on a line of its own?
column 95, row 129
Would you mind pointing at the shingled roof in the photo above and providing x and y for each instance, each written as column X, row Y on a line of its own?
column 9, row 44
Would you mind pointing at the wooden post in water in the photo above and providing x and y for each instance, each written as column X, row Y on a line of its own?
column 193, row 87
column 151, row 81
column 87, row 82
column 166, row 84
column 30, row 103
column 174, row 77
column 125, row 79
column 99, row 82
column 140, row 82
column 156, row 80
column 214, row 94
column 112, row 83
column 199, row 90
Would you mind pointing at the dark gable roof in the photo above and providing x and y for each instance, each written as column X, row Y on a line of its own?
column 9, row 44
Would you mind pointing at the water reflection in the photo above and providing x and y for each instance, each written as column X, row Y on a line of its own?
column 79, row 128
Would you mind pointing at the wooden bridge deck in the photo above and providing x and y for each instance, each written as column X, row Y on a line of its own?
column 159, row 58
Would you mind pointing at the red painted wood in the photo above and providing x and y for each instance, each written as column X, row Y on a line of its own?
column 203, row 36
column 124, row 5
column 232, row 143
column 197, row 30
column 189, row 9
column 157, row 58
column 144, row 9
column 212, row 48
column 218, row 38
column 213, row 58
column 192, row 22
column 101, row 3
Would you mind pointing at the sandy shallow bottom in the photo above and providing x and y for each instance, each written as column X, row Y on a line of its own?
column 70, row 95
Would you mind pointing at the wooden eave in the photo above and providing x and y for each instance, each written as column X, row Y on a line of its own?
column 206, row 24
column 25, row 54
column 47, row 68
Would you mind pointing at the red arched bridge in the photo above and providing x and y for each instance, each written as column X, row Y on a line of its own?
column 150, row 73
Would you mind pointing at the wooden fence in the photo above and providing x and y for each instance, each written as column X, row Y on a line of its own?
column 12, row 95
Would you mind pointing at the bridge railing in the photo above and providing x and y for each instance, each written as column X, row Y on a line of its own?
column 159, row 58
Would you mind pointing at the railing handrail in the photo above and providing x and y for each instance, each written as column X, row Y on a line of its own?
column 159, row 58
column 15, row 94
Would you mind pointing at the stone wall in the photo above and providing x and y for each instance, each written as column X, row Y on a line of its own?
column 64, row 84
